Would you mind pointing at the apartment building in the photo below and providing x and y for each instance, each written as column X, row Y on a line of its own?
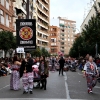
column 54, row 38
column 41, row 14
column 6, row 15
column 89, row 15
column 67, row 32
column 19, row 11
column 39, row 10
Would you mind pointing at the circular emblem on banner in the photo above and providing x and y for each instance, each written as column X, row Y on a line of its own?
column 26, row 33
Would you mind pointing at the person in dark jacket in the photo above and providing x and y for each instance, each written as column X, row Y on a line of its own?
column 26, row 72
column 61, row 62
column 44, row 71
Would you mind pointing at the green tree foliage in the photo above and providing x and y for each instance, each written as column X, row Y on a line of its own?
column 45, row 52
column 86, row 43
column 36, row 53
column 7, row 41
column 40, row 52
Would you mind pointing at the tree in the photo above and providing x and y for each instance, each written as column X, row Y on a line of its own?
column 7, row 41
column 90, row 36
column 36, row 53
column 45, row 52
column 40, row 52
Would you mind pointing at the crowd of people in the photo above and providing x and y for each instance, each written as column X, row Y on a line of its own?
column 29, row 69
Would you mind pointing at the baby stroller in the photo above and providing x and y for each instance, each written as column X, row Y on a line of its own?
column 36, row 75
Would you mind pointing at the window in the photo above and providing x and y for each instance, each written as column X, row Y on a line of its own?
column 34, row 1
column 52, row 40
column 68, row 39
column 51, row 29
column 71, row 35
column 9, row 19
column 1, row 12
column 62, row 43
column 62, row 38
column 7, row 0
column 6, row 16
column 71, row 39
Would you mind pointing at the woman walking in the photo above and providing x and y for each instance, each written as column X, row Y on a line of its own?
column 43, row 67
column 90, row 72
column 15, row 77
column 26, row 72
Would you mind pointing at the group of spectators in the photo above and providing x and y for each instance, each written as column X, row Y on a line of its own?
column 5, row 64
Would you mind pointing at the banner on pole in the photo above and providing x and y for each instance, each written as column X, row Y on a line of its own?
column 26, row 33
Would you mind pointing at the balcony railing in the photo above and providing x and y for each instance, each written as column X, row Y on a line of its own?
column 7, row 22
column 42, row 25
column 7, row 5
column 2, row 2
column 2, row 20
column 41, row 17
column 46, row 7
column 46, row 1
column 46, row 13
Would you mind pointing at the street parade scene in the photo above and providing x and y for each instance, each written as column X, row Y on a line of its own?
column 49, row 50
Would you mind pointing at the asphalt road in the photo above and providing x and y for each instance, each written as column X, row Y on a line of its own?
column 71, row 86
column 78, row 88
column 55, row 89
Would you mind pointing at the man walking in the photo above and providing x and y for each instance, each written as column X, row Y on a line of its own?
column 61, row 62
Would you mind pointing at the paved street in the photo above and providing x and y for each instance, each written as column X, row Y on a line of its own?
column 71, row 86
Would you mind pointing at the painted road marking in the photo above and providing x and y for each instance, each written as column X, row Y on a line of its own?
column 79, row 73
column 97, row 87
column 4, row 87
column 66, row 86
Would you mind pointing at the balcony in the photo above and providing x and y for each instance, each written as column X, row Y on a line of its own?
column 43, row 4
column 41, row 17
column 53, row 44
column 7, row 22
column 7, row 5
column 2, row 20
column 46, row 1
column 2, row 2
column 42, row 25
column 46, row 13
column 43, row 32
column 43, row 39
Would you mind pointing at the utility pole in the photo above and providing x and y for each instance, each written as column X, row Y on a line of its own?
column 27, row 9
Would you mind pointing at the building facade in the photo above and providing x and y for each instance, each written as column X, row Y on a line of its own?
column 89, row 15
column 54, row 32
column 41, row 14
column 19, row 11
column 6, row 15
column 67, row 32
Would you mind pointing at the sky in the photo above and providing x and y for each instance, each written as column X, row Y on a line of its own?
column 71, row 9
